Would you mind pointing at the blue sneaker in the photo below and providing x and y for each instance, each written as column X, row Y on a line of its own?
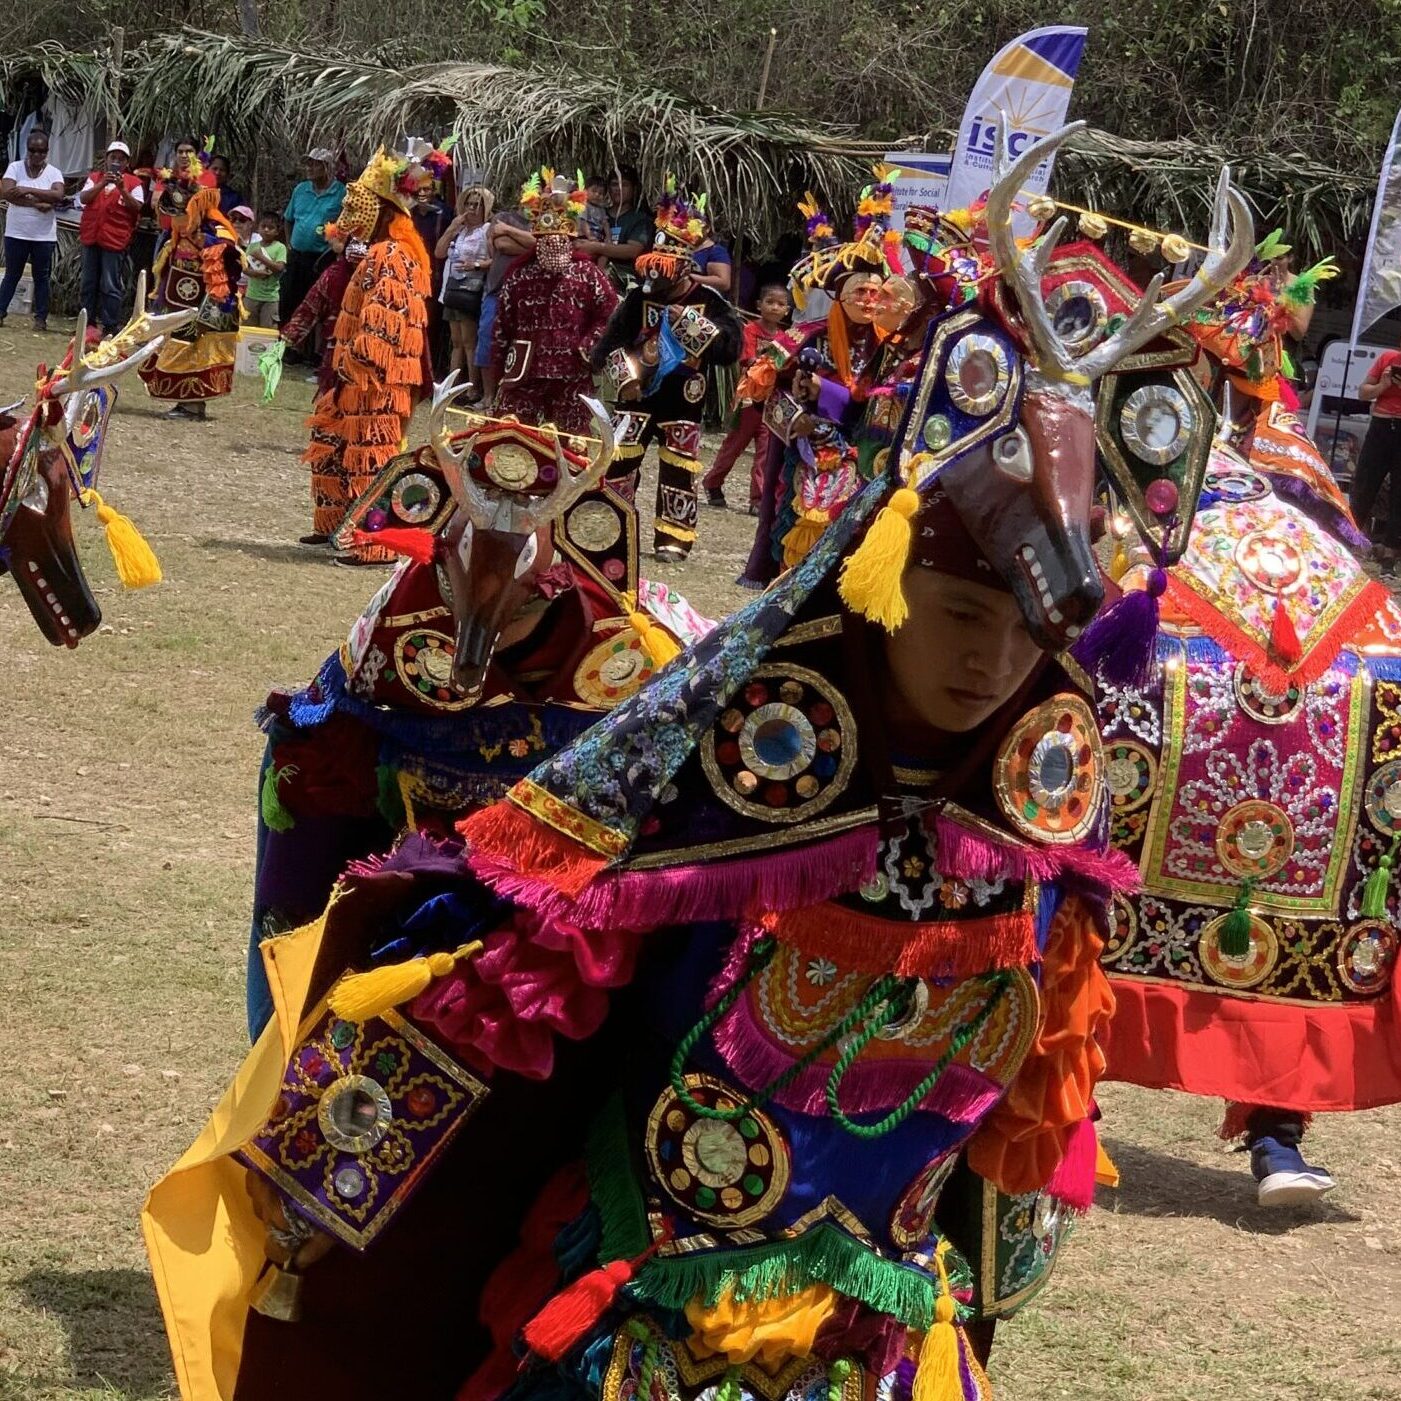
column 1285, row 1178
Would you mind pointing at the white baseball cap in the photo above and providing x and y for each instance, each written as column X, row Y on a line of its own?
column 119, row 146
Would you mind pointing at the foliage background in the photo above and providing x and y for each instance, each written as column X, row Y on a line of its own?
column 1299, row 100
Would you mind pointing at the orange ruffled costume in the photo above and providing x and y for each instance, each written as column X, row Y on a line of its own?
column 1023, row 1140
column 359, row 424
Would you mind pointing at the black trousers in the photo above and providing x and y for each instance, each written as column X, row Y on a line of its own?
column 301, row 272
column 1381, row 454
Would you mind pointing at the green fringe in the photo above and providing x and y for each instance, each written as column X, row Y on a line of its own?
column 276, row 818
column 823, row 1255
column 389, row 799
column 613, row 1186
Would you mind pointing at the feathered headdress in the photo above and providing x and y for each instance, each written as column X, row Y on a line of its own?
column 681, row 227
column 397, row 176
column 554, row 204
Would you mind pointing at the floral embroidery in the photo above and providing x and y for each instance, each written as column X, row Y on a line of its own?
column 821, row 971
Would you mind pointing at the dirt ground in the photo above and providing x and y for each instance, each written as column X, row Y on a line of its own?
column 126, row 833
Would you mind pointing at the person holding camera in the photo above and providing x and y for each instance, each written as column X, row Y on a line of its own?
column 111, row 200
column 463, row 249
column 1381, row 452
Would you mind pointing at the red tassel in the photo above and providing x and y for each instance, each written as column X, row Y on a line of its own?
column 418, row 545
column 1073, row 1181
column 568, row 1318
column 1284, row 641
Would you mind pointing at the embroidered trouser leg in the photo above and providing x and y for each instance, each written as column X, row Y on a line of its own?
column 678, row 467
column 632, row 431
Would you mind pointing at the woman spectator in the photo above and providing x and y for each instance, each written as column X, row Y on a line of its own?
column 32, row 190
column 465, row 262
column 713, row 266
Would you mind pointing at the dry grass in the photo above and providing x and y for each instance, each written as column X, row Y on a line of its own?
column 126, row 831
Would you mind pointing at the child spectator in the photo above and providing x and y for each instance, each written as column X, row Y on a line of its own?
column 596, row 211
column 267, row 258
column 241, row 218
column 749, row 417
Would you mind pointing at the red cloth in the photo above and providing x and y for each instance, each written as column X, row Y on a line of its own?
column 318, row 312
column 756, row 337
column 1310, row 1057
column 1387, row 404
column 107, row 222
column 559, row 314
column 749, row 428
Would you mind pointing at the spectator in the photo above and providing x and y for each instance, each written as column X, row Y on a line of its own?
column 32, row 190
column 465, row 263
column 111, row 200
column 596, row 227
column 749, row 412
column 315, row 202
column 509, row 238
column 431, row 216
column 229, row 198
column 713, row 266
column 629, row 227
column 266, row 259
column 244, row 224
column 1381, row 452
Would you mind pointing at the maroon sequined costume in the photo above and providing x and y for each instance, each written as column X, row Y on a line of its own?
column 550, row 313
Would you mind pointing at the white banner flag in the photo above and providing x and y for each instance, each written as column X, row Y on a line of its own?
column 1030, row 80
column 1379, row 287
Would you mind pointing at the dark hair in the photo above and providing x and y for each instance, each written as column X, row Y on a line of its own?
column 271, row 216
column 220, row 156
column 771, row 287
column 36, row 131
column 187, row 141
column 596, row 180
column 629, row 173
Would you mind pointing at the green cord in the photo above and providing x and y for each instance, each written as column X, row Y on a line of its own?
column 888, row 995
column 902, row 1111
column 878, row 992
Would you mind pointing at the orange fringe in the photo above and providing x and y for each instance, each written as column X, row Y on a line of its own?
column 503, row 833
column 1020, row 1144
column 950, row 949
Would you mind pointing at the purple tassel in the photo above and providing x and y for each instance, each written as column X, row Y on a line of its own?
column 1119, row 646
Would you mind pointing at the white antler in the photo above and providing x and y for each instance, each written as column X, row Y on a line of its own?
column 1024, row 268
column 572, row 485
column 137, row 341
column 470, row 497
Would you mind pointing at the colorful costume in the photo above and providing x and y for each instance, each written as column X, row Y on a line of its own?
column 380, row 360
column 54, row 457
column 552, row 307
column 770, row 972
column 816, row 463
column 197, row 269
column 1254, row 779
column 314, row 320
column 658, row 345
column 383, row 741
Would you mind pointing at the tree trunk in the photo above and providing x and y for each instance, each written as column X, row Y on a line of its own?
column 248, row 20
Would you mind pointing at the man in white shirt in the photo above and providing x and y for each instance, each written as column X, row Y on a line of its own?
column 31, row 191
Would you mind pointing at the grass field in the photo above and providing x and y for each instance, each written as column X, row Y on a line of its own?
column 126, row 836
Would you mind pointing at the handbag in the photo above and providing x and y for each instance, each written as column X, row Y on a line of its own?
column 463, row 292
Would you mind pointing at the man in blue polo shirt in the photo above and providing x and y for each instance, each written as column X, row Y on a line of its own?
column 315, row 202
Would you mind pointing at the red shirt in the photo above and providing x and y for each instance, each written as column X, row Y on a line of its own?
column 1387, row 404
column 756, row 337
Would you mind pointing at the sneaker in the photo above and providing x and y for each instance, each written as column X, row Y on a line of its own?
column 715, row 497
column 753, row 508
column 353, row 561
column 41, row 328
column 179, row 411
column 670, row 554
column 313, row 540
column 1285, row 1178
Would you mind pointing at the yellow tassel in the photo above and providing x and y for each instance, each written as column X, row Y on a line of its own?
column 659, row 644
column 137, row 565
column 872, row 577
column 360, row 997
column 1119, row 563
column 1106, row 1172
column 937, row 1375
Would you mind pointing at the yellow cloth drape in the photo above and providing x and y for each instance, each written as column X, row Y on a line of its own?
column 204, row 1242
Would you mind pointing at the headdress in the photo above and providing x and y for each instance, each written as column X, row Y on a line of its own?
column 871, row 248
column 554, row 204
column 682, row 225
column 397, row 176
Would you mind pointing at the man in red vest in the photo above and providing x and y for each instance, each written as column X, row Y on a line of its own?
column 111, row 200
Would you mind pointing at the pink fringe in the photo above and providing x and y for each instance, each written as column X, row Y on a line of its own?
column 1073, row 1181
column 961, row 1094
column 786, row 880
